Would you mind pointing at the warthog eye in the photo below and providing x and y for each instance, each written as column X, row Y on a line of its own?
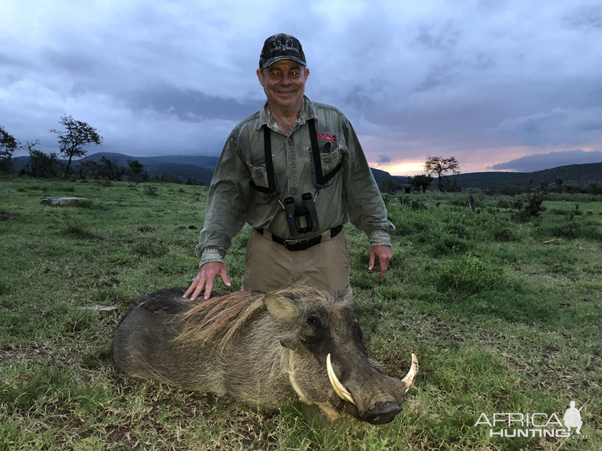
column 311, row 331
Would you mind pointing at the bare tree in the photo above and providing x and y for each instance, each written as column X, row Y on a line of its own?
column 439, row 166
column 77, row 136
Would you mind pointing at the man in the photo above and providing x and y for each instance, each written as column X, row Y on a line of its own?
column 294, row 171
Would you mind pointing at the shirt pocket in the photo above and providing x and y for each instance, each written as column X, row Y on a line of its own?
column 330, row 158
column 259, row 173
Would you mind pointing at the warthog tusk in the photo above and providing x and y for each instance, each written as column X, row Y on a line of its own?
column 336, row 384
column 408, row 380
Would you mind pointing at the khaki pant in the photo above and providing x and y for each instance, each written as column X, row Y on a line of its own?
column 270, row 266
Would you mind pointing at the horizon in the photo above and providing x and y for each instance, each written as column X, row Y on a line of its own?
column 372, row 167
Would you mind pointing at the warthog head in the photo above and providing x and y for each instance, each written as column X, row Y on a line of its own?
column 329, row 364
column 261, row 349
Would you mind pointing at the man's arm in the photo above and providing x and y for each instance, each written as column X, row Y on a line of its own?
column 224, row 217
column 367, row 210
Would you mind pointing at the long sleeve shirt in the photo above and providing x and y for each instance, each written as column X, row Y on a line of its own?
column 351, row 195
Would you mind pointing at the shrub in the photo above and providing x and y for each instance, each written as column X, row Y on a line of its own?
column 569, row 229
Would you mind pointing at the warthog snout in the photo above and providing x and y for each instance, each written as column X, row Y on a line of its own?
column 379, row 397
column 383, row 412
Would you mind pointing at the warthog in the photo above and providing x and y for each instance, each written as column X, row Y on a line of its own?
column 261, row 349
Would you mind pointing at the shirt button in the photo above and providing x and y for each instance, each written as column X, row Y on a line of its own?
column 293, row 191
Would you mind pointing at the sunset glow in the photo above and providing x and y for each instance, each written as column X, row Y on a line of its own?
column 401, row 167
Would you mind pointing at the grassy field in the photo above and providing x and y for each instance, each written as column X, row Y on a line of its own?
column 503, row 313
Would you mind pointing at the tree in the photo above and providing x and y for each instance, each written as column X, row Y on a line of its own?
column 8, row 145
column 76, row 138
column 109, row 170
column 559, row 182
column 87, row 169
column 421, row 182
column 388, row 186
column 136, row 172
column 439, row 166
column 41, row 164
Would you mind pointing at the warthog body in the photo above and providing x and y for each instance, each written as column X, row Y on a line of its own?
column 260, row 349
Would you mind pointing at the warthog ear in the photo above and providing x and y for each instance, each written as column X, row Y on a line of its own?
column 281, row 307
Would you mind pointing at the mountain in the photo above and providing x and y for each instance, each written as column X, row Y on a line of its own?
column 122, row 160
column 181, row 166
column 379, row 176
column 202, row 167
column 574, row 174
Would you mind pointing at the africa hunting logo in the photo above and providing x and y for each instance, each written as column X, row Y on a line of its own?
column 512, row 425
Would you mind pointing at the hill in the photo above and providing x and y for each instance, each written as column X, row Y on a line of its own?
column 202, row 167
column 575, row 175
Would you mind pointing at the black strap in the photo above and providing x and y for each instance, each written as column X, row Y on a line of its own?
column 321, row 179
column 269, row 164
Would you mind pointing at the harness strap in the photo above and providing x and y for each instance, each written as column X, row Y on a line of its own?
column 321, row 179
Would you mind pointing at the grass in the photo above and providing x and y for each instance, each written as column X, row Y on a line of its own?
column 500, row 321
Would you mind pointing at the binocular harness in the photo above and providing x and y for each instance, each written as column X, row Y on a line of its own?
column 300, row 217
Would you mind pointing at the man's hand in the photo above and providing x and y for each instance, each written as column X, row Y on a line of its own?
column 207, row 274
column 383, row 255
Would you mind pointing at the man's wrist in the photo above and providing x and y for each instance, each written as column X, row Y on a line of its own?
column 379, row 238
column 211, row 254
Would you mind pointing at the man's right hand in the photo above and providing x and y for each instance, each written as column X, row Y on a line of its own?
column 207, row 274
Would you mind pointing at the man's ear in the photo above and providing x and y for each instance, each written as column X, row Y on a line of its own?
column 260, row 76
column 281, row 307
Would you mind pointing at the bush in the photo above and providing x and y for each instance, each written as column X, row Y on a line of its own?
column 531, row 209
column 569, row 229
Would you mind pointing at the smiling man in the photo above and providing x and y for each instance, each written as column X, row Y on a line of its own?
column 294, row 171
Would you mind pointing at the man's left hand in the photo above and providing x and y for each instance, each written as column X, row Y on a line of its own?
column 381, row 254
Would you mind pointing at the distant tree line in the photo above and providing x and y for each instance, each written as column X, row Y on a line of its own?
column 440, row 166
column 73, row 141
column 422, row 182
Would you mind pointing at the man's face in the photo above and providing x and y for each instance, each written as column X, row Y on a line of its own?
column 284, row 84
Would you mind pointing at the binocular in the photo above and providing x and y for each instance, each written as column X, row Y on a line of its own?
column 303, row 217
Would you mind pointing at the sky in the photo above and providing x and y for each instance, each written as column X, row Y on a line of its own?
column 508, row 85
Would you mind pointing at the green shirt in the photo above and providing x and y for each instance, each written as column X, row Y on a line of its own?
column 352, row 194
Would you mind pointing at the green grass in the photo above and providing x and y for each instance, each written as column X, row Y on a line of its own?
column 500, row 321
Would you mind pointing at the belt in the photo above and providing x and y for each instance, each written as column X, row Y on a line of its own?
column 301, row 245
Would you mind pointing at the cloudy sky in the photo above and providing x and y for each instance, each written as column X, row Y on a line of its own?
column 500, row 85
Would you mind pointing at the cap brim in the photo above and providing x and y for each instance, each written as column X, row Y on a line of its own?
column 271, row 61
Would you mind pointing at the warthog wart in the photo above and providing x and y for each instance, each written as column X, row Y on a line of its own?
column 261, row 349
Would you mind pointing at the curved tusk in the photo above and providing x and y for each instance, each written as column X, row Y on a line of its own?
column 336, row 384
column 408, row 380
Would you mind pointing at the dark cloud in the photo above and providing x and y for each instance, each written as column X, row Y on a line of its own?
column 550, row 160
column 384, row 159
column 585, row 17
column 188, row 104
column 438, row 36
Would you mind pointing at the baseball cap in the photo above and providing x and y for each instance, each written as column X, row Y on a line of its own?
column 281, row 47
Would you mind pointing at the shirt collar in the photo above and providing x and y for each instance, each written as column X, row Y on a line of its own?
column 308, row 112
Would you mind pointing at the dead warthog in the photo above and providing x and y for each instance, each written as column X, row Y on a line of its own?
column 261, row 349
